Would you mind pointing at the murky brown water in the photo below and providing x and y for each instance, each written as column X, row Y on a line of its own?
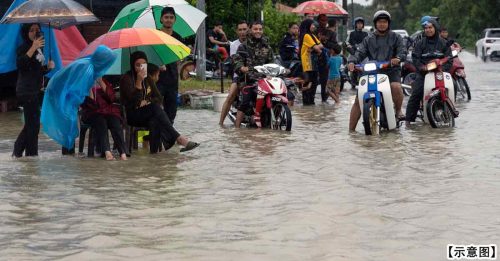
column 317, row 193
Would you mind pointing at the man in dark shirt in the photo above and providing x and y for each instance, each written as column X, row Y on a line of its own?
column 168, row 84
column 217, row 40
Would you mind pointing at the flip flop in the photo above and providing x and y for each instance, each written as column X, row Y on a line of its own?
column 191, row 145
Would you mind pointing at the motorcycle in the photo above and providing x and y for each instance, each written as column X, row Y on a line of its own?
column 375, row 98
column 408, row 69
column 275, row 114
column 458, row 73
column 438, row 87
column 187, row 67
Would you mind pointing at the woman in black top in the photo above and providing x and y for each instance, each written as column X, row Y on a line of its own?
column 31, row 70
column 142, row 102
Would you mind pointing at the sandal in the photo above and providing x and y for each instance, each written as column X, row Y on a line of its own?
column 190, row 145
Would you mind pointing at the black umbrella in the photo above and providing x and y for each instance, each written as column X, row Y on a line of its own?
column 54, row 13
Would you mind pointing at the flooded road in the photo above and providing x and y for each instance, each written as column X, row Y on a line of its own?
column 317, row 193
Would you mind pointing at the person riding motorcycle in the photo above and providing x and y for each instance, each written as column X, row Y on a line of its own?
column 356, row 36
column 255, row 51
column 382, row 45
column 430, row 43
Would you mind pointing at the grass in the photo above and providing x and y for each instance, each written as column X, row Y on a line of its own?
column 211, row 85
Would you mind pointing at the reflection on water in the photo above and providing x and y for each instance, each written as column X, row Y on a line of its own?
column 317, row 193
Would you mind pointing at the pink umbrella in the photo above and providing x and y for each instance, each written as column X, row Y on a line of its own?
column 320, row 7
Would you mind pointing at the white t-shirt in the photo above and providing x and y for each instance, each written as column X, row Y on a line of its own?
column 233, row 48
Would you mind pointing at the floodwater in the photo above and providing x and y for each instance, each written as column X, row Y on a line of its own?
column 317, row 193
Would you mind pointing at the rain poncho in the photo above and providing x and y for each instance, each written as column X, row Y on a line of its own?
column 67, row 90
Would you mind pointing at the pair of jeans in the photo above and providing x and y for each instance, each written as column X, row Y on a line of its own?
column 27, row 141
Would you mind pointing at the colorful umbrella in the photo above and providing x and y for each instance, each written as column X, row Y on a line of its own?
column 320, row 7
column 160, row 47
column 54, row 13
column 147, row 14
column 67, row 45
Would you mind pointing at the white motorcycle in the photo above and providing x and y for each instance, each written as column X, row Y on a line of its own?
column 375, row 98
column 439, row 109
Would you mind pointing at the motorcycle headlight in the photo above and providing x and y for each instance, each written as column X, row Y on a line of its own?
column 370, row 67
column 431, row 66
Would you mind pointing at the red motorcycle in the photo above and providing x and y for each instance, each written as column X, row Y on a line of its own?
column 458, row 73
column 439, row 109
column 273, row 106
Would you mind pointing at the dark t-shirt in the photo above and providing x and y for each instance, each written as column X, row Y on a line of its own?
column 216, row 36
column 169, row 79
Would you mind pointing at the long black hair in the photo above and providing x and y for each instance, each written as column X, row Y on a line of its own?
column 25, row 30
column 134, row 57
column 305, row 28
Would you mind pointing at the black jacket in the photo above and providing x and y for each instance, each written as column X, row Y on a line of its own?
column 428, row 45
column 356, row 37
column 30, row 72
column 169, row 79
column 287, row 48
column 380, row 48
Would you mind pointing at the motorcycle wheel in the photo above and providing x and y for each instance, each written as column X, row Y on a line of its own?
column 186, row 68
column 370, row 118
column 439, row 114
column 463, row 88
column 283, row 117
column 409, row 79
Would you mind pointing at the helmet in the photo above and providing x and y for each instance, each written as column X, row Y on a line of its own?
column 424, row 20
column 358, row 19
column 381, row 14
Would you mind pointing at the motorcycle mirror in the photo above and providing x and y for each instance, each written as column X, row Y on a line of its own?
column 457, row 36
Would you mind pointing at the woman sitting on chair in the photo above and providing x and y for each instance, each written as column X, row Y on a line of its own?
column 142, row 102
column 100, row 111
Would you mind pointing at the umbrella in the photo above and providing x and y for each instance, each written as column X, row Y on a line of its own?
column 147, row 13
column 320, row 7
column 66, row 47
column 55, row 13
column 160, row 47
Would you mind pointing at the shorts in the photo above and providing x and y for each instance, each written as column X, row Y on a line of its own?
column 332, row 84
column 394, row 75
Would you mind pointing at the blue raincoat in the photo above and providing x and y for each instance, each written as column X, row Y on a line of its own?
column 67, row 90
column 10, row 40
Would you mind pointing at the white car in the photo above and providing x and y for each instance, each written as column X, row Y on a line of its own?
column 489, row 44
column 403, row 33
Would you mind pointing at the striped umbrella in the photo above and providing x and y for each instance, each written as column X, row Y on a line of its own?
column 159, row 47
column 147, row 14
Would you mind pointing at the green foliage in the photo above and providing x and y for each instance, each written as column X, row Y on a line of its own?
column 276, row 23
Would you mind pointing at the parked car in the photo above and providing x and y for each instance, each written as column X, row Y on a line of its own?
column 489, row 44
column 402, row 32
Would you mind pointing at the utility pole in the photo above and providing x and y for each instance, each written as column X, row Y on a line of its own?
column 200, row 46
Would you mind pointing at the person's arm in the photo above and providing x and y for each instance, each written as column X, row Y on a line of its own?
column 417, row 57
column 361, row 52
column 400, row 49
column 130, row 94
column 155, row 95
column 239, row 60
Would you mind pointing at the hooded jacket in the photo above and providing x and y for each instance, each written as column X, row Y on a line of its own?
column 428, row 45
column 30, row 70
column 288, row 48
column 377, row 47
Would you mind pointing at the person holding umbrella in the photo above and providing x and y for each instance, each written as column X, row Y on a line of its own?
column 31, row 70
column 169, row 73
column 140, row 97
